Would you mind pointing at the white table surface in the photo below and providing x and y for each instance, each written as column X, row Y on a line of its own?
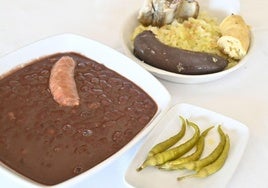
column 242, row 95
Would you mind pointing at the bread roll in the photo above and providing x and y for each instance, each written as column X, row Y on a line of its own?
column 235, row 38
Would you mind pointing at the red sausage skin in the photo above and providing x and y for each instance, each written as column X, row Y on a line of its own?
column 62, row 84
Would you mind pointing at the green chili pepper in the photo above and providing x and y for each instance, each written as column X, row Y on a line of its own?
column 169, row 142
column 176, row 164
column 213, row 167
column 197, row 165
column 173, row 153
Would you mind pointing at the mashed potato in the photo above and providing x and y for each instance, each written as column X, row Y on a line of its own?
column 199, row 34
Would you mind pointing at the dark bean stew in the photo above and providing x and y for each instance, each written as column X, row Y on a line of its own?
column 49, row 143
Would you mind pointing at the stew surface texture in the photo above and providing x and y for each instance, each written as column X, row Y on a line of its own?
column 50, row 143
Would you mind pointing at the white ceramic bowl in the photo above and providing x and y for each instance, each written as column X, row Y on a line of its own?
column 102, row 54
column 215, row 8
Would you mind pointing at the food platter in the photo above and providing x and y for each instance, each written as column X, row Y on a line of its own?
column 168, row 126
column 217, row 9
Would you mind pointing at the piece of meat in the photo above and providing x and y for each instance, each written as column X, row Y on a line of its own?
column 155, row 53
column 62, row 84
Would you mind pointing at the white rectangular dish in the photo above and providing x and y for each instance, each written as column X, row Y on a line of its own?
column 168, row 126
column 101, row 54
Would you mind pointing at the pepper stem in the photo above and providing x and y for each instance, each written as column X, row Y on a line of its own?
column 140, row 168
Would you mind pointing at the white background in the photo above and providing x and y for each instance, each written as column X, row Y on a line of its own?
column 242, row 95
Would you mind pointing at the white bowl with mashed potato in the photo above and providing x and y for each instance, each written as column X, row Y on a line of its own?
column 214, row 9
